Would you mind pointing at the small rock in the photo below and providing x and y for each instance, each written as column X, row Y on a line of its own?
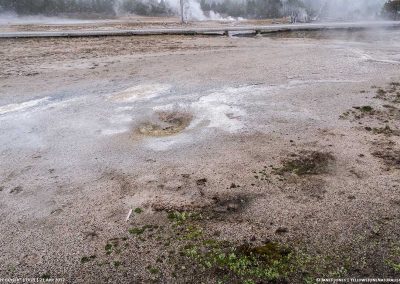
column 232, row 207
column 201, row 182
column 233, row 185
column 220, row 209
column 16, row 190
column 281, row 230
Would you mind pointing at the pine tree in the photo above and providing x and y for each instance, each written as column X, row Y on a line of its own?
column 391, row 9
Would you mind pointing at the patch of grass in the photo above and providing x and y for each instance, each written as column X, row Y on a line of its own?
column 394, row 258
column 117, row 264
column 113, row 245
column 195, row 251
column 86, row 259
column 138, row 210
column 45, row 276
column 306, row 163
column 267, row 262
column 153, row 270
column 393, row 265
column 269, row 252
column 108, row 248
column 181, row 217
column 193, row 232
column 137, row 231
column 365, row 109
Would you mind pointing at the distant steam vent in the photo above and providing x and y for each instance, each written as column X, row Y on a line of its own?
column 296, row 10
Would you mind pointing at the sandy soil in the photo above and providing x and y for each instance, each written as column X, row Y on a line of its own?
column 244, row 159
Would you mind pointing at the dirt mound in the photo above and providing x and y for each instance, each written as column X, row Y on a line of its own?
column 307, row 163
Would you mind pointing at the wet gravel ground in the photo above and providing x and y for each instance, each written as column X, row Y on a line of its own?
column 219, row 115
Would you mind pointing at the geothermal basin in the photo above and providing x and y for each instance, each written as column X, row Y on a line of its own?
column 137, row 159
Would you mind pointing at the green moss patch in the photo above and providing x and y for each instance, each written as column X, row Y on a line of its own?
column 138, row 210
column 365, row 109
column 245, row 263
column 181, row 217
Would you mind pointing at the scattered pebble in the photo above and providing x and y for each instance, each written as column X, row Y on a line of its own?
column 281, row 230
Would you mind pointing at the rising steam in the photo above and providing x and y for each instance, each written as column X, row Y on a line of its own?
column 202, row 9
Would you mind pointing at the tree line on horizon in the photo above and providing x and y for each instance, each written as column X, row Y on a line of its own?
column 254, row 8
column 55, row 7
column 236, row 8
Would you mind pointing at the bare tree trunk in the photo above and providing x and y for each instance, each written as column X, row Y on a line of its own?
column 182, row 12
